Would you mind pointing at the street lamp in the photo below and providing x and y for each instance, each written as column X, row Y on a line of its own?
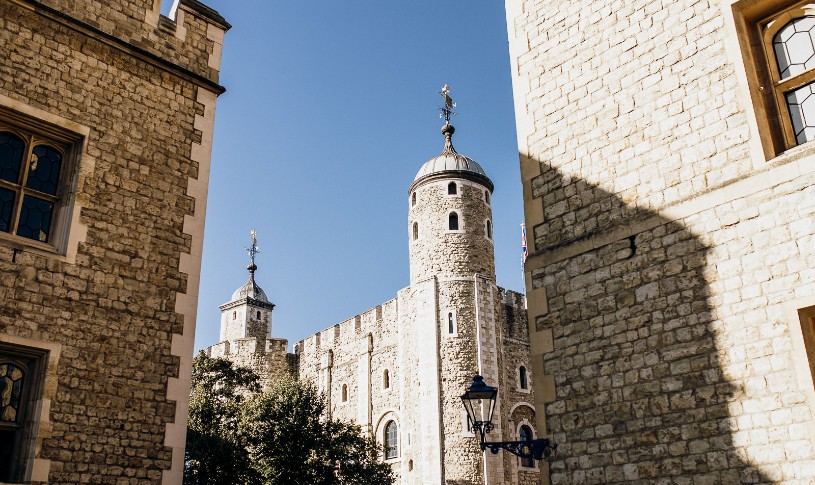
column 479, row 401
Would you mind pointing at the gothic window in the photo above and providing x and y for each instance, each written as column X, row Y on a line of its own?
column 452, row 189
column 391, row 441
column 19, row 384
column 525, row 434
column 413, row 199
column 415, row 231
column 453, row 221
column 523, row 379
column 386, row 380
column 489, row 229
column 34, row 183
column 344, row 393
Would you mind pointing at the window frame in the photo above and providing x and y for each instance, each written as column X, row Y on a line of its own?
column 385, row 440
column 526, row 463
column 69, row 144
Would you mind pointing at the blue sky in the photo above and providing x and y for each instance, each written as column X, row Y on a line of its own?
column 331, row 109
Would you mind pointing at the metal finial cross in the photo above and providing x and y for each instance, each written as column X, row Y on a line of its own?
column 254, row 249
column 447, row 108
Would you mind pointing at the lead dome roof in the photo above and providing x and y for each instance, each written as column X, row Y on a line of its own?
column 450, row 162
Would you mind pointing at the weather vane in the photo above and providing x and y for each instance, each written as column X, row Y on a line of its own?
column 254, row 249
column 447, row 109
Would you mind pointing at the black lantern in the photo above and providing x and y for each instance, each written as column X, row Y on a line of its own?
column 479, row 401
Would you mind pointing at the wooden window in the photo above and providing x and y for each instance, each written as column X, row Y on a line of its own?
column 36, row 179
column 391, row 440
column 777, row 41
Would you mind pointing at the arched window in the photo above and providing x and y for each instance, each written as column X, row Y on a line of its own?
column 258, row 314
column 489, row 230
column 451, row 327
column 487, row 197
column 415, row 231
column 452, row 189
column 391, row 440
column 453, row 221
column 344, row 393
column 386, row 380
column 234, row 315
column 523, row 380
column 525, row 434
column 413, row 199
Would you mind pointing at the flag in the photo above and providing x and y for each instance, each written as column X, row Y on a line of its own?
column 523, row 242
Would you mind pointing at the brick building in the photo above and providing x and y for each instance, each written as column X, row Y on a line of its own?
column 106, row 117
column 669, row 192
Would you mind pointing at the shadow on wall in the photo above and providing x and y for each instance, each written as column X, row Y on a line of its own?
column 640, row 395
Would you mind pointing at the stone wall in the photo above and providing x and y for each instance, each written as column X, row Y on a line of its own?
column 114, row 304
column 669, row 258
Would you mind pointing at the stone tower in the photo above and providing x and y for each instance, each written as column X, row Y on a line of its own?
column 246, row 330
column 452, row 257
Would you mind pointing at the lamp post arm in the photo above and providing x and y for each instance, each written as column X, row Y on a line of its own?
column 538, row 449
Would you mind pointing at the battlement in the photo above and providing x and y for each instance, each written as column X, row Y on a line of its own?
column 189, row 42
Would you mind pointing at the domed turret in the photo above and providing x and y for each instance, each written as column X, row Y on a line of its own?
column 450, row 219
column 248, row 314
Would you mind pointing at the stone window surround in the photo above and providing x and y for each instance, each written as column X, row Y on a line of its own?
column 518, row 378
column 415, row 235
column 524, row 422
column 747, row 48
column 447, row 315
column 47, row 356
column 456, row 187
column 385, row 417
column 797, row 313
column 386, row 380
column 461, row 226
column 413, row 199
column 67, row 231
column 489, row 230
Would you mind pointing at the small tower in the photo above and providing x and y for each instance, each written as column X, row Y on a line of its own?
column 449, row 214
column 248, row 314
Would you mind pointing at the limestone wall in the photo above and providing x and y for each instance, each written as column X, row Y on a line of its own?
column 669, row 257
column 113, row 303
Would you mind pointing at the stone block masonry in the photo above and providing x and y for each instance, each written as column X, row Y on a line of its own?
column 105, row 314
column 670, row 274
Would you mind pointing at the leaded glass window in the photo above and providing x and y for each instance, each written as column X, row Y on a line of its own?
column 391, row 440
column 11, row 389
column 30, row 171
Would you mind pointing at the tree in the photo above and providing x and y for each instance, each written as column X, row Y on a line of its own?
column 237, row 435
column 216, row 449
column 291, row 441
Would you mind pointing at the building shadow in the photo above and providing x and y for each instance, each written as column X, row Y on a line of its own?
column 640, row 395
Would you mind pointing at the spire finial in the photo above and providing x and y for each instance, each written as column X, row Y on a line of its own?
column 253, row 250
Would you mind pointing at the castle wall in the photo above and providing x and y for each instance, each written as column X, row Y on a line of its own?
column 670, row 259
column 107, row 310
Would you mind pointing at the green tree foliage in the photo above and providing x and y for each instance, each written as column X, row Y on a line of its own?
column 216, row 450
column 237, row 435
column 292, row 444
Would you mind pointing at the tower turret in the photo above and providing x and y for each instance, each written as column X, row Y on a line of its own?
column 450, row 217
column 248, row 314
